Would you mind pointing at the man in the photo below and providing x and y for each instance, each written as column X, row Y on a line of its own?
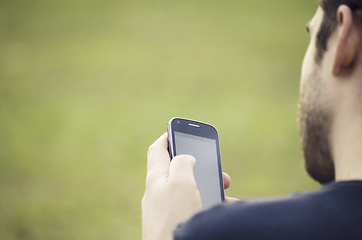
column 330, row 120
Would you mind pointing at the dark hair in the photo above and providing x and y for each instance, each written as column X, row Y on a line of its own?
column 329, row 22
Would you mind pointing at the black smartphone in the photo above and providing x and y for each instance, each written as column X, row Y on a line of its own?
column 200, row 140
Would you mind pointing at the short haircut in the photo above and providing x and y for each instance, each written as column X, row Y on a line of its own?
column 329, row 22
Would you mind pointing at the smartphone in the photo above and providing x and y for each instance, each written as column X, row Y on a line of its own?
column 200, row 140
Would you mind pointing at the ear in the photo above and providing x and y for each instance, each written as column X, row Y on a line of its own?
column 347, row 40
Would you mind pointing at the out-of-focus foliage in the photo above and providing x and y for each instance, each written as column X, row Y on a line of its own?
column 87, row 86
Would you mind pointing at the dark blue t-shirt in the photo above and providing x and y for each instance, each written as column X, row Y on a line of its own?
column 333, row 212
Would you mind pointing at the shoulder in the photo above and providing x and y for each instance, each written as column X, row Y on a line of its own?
column 301, row 216
column 247, row 219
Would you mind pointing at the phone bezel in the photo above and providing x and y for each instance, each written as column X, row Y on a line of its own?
column 204, row 130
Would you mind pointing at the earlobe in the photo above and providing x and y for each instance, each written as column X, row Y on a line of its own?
column 347, row 40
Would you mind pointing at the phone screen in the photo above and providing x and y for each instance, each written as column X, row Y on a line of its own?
column 207, row 168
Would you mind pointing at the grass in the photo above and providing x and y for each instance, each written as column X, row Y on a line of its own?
column 87, row 86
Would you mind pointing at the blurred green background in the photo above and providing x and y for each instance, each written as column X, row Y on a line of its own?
column 87, row 86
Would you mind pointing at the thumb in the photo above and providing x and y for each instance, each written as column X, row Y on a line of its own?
column 182, row 168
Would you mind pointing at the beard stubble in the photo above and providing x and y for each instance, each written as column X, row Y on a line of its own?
column 315, row 120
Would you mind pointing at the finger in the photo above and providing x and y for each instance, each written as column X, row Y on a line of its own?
column 182, row 168
column 227, row 180
column 158, row 162
column 231, row 200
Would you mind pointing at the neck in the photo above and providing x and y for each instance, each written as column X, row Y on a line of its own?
column 346, row 135
column 347, row 151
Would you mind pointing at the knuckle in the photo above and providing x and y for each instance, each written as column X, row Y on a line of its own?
column 176, row 184
column 192, row 183
column 143, row 200
column 150, row 149
column 191, row 159
column 185, row 159
column 149, row 180
column 183, row 183
column 152, row 180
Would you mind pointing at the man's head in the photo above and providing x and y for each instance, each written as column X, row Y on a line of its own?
column 332, row 55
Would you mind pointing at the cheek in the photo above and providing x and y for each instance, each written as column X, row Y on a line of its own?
column 307, row 67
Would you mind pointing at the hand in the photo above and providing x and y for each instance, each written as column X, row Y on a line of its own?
column 227, row 182
column 171, row 195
